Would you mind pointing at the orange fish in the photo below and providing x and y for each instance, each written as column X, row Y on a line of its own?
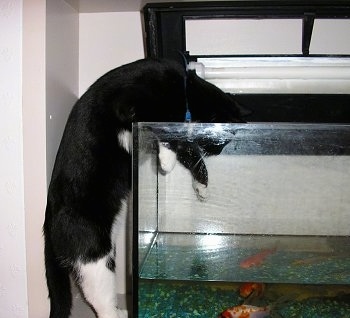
column 257, row 259
column 251, row 289
column 246, row 311
column 249, row 311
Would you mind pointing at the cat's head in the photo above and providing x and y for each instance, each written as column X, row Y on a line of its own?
column 208, row 103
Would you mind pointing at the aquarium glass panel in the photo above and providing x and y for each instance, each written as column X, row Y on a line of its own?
column 276, row 209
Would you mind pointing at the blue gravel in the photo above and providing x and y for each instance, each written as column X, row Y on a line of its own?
column 205, row 300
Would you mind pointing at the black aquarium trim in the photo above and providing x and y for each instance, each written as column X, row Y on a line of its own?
column 296, row 108
column 135, row 220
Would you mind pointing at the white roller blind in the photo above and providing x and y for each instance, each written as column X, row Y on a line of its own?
column 309, row 75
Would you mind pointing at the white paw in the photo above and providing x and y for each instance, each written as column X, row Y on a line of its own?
column 167, row 158
column 201, row 190
column 122, row 313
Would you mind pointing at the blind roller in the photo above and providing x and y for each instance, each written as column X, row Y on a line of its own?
column 274, row 75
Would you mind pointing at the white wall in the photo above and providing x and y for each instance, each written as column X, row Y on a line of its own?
column 50, row 86
column 107, row 40
column 34, row 151
column 13, row 281
column 62, row 75
column 265, row 36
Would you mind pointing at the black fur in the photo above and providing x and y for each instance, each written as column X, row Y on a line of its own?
column 92, row 172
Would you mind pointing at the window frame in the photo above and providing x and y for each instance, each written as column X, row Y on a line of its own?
column 165, row 30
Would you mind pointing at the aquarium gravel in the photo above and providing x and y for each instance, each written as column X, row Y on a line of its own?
column 206, row 300
column 164, row 299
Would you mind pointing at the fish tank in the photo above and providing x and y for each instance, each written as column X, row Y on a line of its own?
column 270, row 230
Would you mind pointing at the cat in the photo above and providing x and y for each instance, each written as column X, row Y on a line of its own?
column 91, row 179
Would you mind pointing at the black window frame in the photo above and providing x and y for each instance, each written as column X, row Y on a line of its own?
column 165, row 32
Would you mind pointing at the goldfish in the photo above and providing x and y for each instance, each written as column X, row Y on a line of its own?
column 246, row 311
column 250, row 311
column 251, row 289
column 257, row 259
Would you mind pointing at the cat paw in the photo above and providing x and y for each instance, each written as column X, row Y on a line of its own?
column 201, row 191
column 167, row 158
column 122, row 313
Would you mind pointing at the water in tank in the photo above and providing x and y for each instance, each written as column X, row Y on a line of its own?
column 269, row 234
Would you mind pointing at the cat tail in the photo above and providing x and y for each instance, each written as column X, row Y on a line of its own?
column 58, row 284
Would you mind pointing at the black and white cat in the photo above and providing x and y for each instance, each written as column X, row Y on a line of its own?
column 91, row 179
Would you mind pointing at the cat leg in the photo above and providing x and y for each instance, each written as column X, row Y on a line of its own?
column 166, row 156
column 98, row 283
column 190, row 156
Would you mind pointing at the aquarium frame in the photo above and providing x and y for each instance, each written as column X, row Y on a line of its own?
column 135, row 220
